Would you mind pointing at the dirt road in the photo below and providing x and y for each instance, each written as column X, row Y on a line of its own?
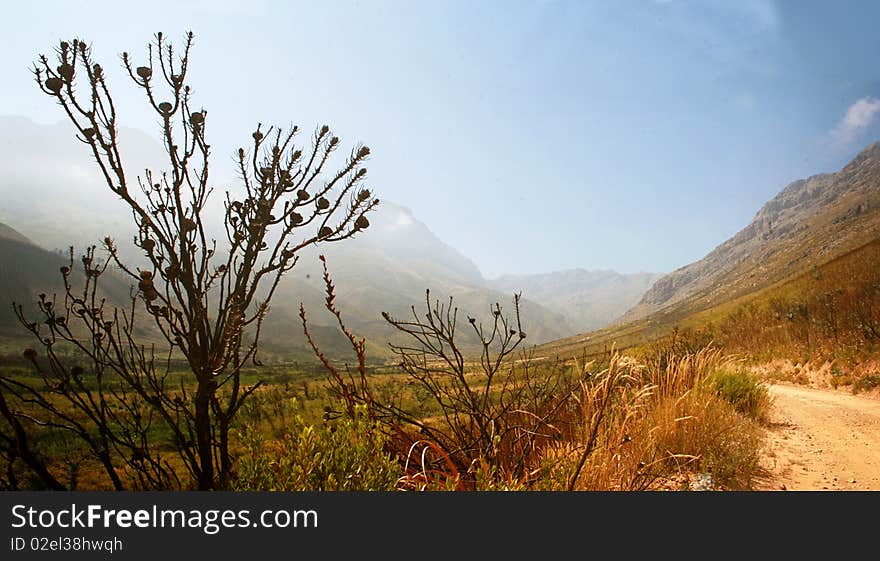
column 822, row 440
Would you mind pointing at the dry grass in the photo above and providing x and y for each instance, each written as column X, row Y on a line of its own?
column 661, row 426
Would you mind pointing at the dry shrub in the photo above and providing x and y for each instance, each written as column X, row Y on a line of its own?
column 654, row 424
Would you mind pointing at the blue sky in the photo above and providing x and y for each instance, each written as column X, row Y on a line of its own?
column 531, row 135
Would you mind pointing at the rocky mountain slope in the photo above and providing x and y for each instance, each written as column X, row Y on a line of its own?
column 808, row 223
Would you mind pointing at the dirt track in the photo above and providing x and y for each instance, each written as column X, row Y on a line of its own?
column 822, row 440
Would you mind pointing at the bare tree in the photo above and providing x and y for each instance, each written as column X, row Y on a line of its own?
column 207, row 299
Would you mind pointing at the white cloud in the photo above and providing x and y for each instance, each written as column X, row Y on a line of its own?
column 858, row 117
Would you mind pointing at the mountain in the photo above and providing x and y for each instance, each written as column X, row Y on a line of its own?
column 386, row 268
column 389, row 268
column 65, row 202
column 808, row 223
column 27, row 270
column 587, row 299
column 814, row 227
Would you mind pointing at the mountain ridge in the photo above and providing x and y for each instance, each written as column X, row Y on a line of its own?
column 827, row 212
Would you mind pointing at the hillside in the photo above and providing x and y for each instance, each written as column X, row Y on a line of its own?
column 824, row 227
column 28, row 270
column 810, row 222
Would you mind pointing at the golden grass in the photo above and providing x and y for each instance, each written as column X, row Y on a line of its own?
column 663, row 427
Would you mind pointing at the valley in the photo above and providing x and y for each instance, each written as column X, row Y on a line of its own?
column 793, row 292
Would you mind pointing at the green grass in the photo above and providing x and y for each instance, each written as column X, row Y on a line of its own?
column 747, row 394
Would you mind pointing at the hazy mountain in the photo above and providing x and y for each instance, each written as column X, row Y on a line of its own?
column 810, row 222
column 587, row 299
column 386, row 268
column 52, row 190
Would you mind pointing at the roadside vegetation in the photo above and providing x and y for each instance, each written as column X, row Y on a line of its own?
column 822, row 327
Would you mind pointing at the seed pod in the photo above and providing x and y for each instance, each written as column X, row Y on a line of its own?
column 144, row 72
column 258, row 136
column 296, row 218
column 187, row 225
column 323, row 203
column 362, row 223
column 97, row 70
column 363, row 152
column 66, row 71
column 325, row 129
column 89, row 132
column 65, row 270
column 302, row 194
column 165, row 107
column 148, row 244
column 324, row 232
column 54, row 84
column 364, row 195
column 146, row 275
column 334, row 141
column 197, row 118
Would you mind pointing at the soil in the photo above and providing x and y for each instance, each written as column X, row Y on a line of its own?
column 822, row 440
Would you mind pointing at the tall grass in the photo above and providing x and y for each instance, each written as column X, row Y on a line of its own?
column 656, row 425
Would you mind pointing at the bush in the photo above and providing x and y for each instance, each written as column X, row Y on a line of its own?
column 346, row 454
column 747, row 394
column 866, row 383
column 705, row 433
column 665, row 425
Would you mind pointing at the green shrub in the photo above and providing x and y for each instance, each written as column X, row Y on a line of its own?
column 747, row 394
column 866, row 383
column 840, row 378
column 346, row 454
